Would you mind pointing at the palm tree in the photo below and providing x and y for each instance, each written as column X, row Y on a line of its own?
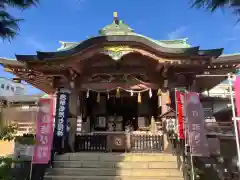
column 213, row 5
column 9, row 26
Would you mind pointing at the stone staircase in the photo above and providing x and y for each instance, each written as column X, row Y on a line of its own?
column 114, row 166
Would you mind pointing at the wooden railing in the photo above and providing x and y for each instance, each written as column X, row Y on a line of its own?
column 91, row 142
column 146, row 143
column 104, row 143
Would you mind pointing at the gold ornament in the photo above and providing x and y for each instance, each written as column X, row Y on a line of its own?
column 139, row 98
column 118, row 93
column 159, row 93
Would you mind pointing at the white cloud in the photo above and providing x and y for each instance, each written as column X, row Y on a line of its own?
column 177, row 33
column 231, row 39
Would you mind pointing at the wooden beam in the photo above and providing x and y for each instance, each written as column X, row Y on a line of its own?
column 110, row 86
column 92, row 51
column 120, row 70
column 10, row 63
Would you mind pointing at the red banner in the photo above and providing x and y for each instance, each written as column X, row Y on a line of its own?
column 44, row 132
column 179, row 101
column 237, row 97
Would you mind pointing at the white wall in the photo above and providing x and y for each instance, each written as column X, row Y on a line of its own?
column 221, row 90
column 10, row 88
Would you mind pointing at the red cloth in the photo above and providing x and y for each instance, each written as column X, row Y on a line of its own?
column 180, row 114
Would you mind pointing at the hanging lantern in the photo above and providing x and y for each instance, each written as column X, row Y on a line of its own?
column 159, row 94
column 139, row 98
column 118, row 93
column 150, row 92
column 168, row 100
column 131, row 92
column 98, row 97
column 159, row 101
column 87, row 95
column 31, row 76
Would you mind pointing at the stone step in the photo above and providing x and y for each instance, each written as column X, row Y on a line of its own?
column 114, row 172
column 117, row 157
column 123, row 165
column 109, row 178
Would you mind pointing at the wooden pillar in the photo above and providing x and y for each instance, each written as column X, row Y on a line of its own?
column 74, row 111
column 165, row 101
column 194, row 85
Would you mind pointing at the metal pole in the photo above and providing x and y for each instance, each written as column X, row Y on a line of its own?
column 176, row 106
column 211, row 75
column 234, row 117
column 191, row 157
column 192, row 167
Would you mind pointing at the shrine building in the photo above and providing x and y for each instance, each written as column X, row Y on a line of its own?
column 120, row 81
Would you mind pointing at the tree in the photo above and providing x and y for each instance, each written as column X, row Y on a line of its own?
column 11, row 168
column 9, row 25
column 8, row 133
column 213, row 5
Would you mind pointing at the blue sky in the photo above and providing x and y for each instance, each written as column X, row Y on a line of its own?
column 75, row 20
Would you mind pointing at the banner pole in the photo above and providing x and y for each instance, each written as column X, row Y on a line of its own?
column 176, row 106
column 33, row 149
column 191, row 159
column 234, row 117
column 192, row 167
column 31, row 167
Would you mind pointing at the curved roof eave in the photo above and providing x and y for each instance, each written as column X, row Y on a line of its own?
column 10, row 62
column 118, row 38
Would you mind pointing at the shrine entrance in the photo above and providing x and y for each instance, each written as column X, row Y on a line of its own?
column 117, row 86
column 119, row 116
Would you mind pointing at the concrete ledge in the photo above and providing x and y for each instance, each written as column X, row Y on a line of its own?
column 108, row 178
column 117, row 157
column 115, row 172
column 124, row 165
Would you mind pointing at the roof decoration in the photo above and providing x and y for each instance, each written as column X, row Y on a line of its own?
column 176, row 43
column 118, row 27
column 46, row 69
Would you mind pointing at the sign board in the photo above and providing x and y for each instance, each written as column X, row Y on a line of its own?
column 44, row 132
column 61, row 118
column 195, row 124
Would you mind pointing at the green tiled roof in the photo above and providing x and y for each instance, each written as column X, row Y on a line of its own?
column 119, row 31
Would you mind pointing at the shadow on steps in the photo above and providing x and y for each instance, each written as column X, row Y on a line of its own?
column 114, row 166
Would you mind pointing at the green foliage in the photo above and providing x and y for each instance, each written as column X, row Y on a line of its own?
column 213, row 5
column 8, row 133
column 9, row 25
column 22, row 4
column 25, row 139
column 6, row 168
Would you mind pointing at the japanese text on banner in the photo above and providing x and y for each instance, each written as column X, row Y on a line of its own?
column 44, row 132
